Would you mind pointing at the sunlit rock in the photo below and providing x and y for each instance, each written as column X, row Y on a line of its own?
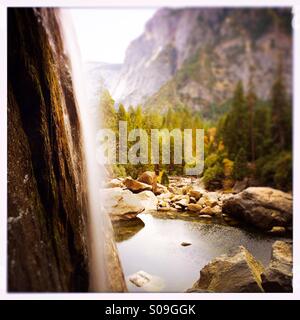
column 148, row 200
column 121, row 204
column 149, row 177
column 147, row 281
column 136, row 186
column 237, row 271
column 261, row 206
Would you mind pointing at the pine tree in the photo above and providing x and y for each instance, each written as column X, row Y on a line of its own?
column 240, row 165
column 251, row 100
column 138, row 118
column 108, row 112
column 279, row 110
column 131, row 118
column 235, row 129
column 122, row 114
column 262, row 132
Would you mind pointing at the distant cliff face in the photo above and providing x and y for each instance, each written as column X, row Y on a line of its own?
column 47, row 193
column 195, row 56
column 99, row 76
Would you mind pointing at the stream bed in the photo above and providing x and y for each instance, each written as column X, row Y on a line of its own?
column 152, row 243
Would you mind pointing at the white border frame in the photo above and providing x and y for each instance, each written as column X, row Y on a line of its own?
column 3, row 143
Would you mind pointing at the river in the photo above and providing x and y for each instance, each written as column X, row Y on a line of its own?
column 153, row 245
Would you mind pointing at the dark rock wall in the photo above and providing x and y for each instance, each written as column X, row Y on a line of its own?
column 47, row 203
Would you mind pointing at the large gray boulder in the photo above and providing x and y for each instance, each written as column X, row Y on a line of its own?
column 279, row 275
column 148, row 200
column 261, row 206
column 237, row 271
column 121, row 204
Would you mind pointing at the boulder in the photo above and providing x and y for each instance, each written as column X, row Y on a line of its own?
column 209, row 199
column 237, row 271
column 163, row 203
column 175, row 190
column 147, row 281
column 277, row 230
column 197, row 194
column 195, row 207
column 261, row 206
column 140, row 278
column 239, row 186
column 149, row 177
column 217, row 210
column 186, row 189
column 121, row 204
column 148, row 200
column 183, row 203
column 279, row 274
column 136, row 186
column 177, row 197
column 114, row 183
column 211, row 210
column 205, row 216
column 161, row 189
column 193, row 200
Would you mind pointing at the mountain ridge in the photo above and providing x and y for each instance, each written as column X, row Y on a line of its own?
column 196, row 56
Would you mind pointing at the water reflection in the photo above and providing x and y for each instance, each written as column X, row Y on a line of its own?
column 126, row 229
column 156, row 248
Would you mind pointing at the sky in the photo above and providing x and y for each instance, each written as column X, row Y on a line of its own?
column 104, row 34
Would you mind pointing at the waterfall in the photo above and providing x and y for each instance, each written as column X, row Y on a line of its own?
column 97, row 220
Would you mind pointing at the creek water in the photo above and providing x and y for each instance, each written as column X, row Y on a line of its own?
column 156, row 248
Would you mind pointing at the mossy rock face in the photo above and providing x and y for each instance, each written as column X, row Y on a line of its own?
column 47, row 203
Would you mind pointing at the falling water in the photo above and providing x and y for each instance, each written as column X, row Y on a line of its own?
column 97, row 224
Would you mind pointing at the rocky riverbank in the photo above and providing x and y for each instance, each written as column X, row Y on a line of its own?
column 266, row 209
column 239, row 271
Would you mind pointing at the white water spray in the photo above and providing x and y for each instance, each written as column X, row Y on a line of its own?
column 97, row 219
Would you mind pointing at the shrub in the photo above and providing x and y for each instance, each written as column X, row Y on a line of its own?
column 228, row 172
column 211, row 160
column 213, row 177
column 284, row 171
column 119, row 171
column 276, row 170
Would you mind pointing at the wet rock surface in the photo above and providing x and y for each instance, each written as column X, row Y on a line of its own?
column 47, row 189
column 47, row 203
column 125, row 229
